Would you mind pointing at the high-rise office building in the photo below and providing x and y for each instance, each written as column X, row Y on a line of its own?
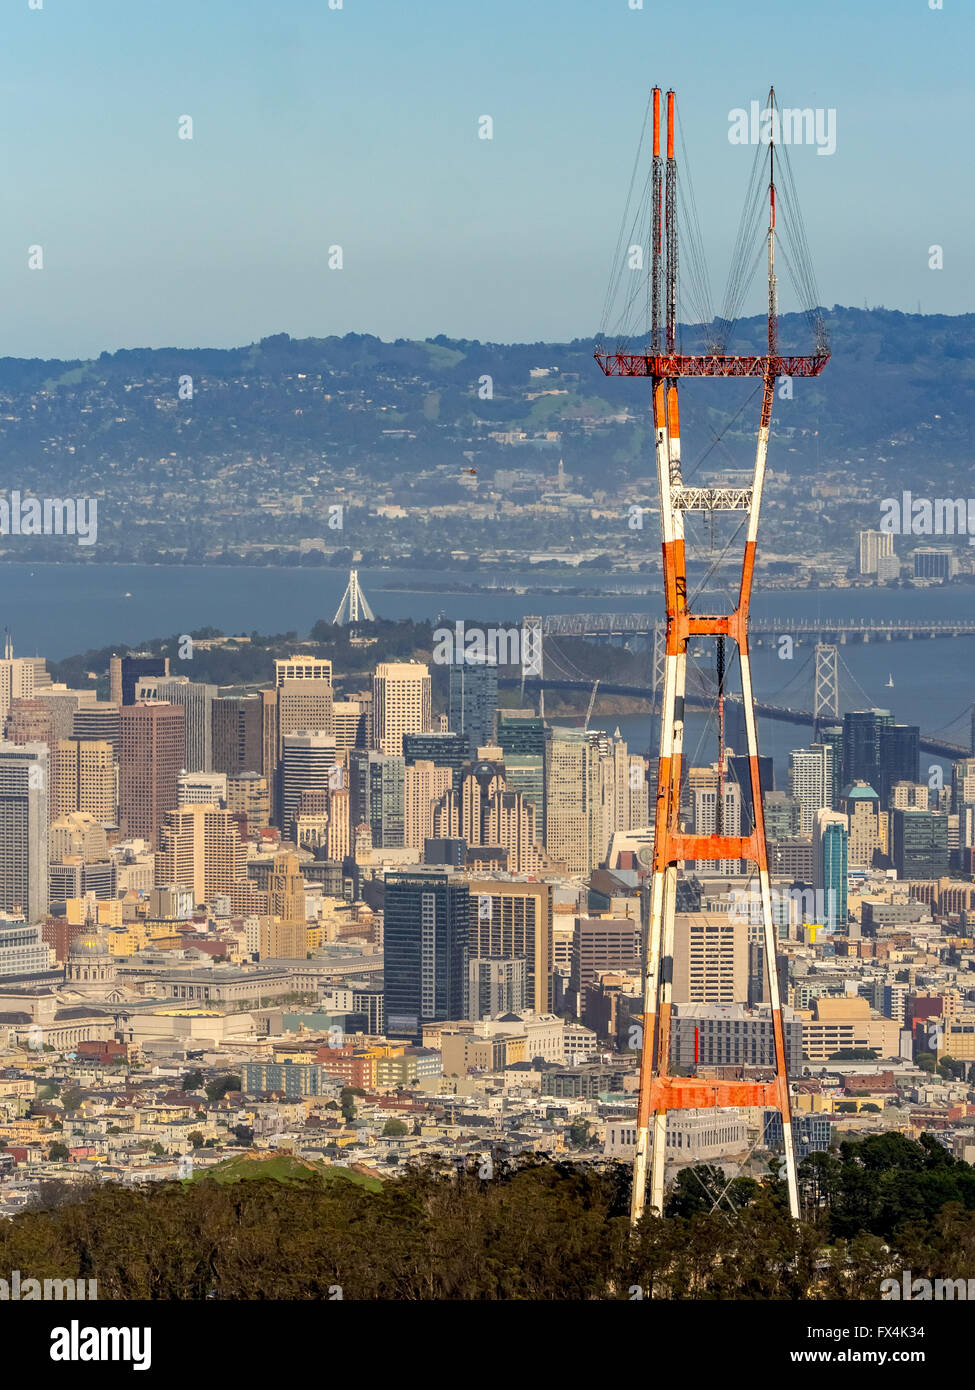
column 873, row 545
column 21, row 677
column 602, row 943
column 249, row 795
column 832, row 736
column 99, row 723
column 811, row 782
column 522, row 738
column 200, row 849
column 861, row 745
column 286, row 890
column 22, row 949
column 831, row 836
column 919, row 846
column 512, row 919
column 24, row 796
column 350, row 724
column 572, row 800
column 126, row 671
column 84, row 779
column 307, row 705
column 861, row 805
column 196, row 698
column 510, row 823
column 935, row 562
column 710, row 959
column 706, row 822
column 963, row 783
column 237, row 742
column 910, row 796
column 307, row 759
column 302, row 668
column 152, row 753
column 269, row 738
column 441, row 749
column 427, row 937
column 781, row 816
column 496, row 987
column 401, row 704
column 899, row 757
column 424, row 785
column 338, row 835
column 377, row 796
column 472, row 705
column 31, row 721
column 202, row 789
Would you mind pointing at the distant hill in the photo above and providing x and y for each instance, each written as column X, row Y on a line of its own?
column 284, row 1168
column 205, row 455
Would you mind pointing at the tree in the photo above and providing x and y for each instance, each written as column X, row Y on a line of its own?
column 193, row 1080
column 71, row 1097
column 579, row 1133
column 926, row 1061
column 57, row 1153
column 395, row 1129
column 951, row 1069
column 195, row 1138
column 216, row 1090
column 347, row 1102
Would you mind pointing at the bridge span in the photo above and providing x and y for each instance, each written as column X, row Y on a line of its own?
column 835, row 630
column 939, row 747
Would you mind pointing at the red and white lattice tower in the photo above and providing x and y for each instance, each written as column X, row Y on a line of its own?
column 664, row 365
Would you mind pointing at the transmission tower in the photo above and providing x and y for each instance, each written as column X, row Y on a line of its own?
column 354, row 607
column 664, row 365
column 826, row 697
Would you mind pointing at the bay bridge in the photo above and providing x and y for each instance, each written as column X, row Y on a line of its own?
column 836, row 630
column 783, row 713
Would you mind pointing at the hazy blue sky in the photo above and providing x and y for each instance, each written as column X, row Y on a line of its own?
column 358, row 127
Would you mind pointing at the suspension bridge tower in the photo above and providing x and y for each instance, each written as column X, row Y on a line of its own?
column 354, row 607
column 664, row 364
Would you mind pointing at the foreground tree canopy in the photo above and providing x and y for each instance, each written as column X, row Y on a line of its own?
column 533, row 1230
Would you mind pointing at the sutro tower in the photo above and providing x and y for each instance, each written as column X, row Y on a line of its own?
column 664, row 365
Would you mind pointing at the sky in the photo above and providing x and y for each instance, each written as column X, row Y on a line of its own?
column 357, row 127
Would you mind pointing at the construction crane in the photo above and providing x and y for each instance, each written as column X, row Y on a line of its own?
column 664, row 363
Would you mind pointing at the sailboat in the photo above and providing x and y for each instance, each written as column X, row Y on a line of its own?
column 890, row 680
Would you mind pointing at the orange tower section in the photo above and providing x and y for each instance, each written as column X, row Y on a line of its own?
column 659, row 1091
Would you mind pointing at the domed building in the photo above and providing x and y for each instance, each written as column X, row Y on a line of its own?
column 90, row 967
